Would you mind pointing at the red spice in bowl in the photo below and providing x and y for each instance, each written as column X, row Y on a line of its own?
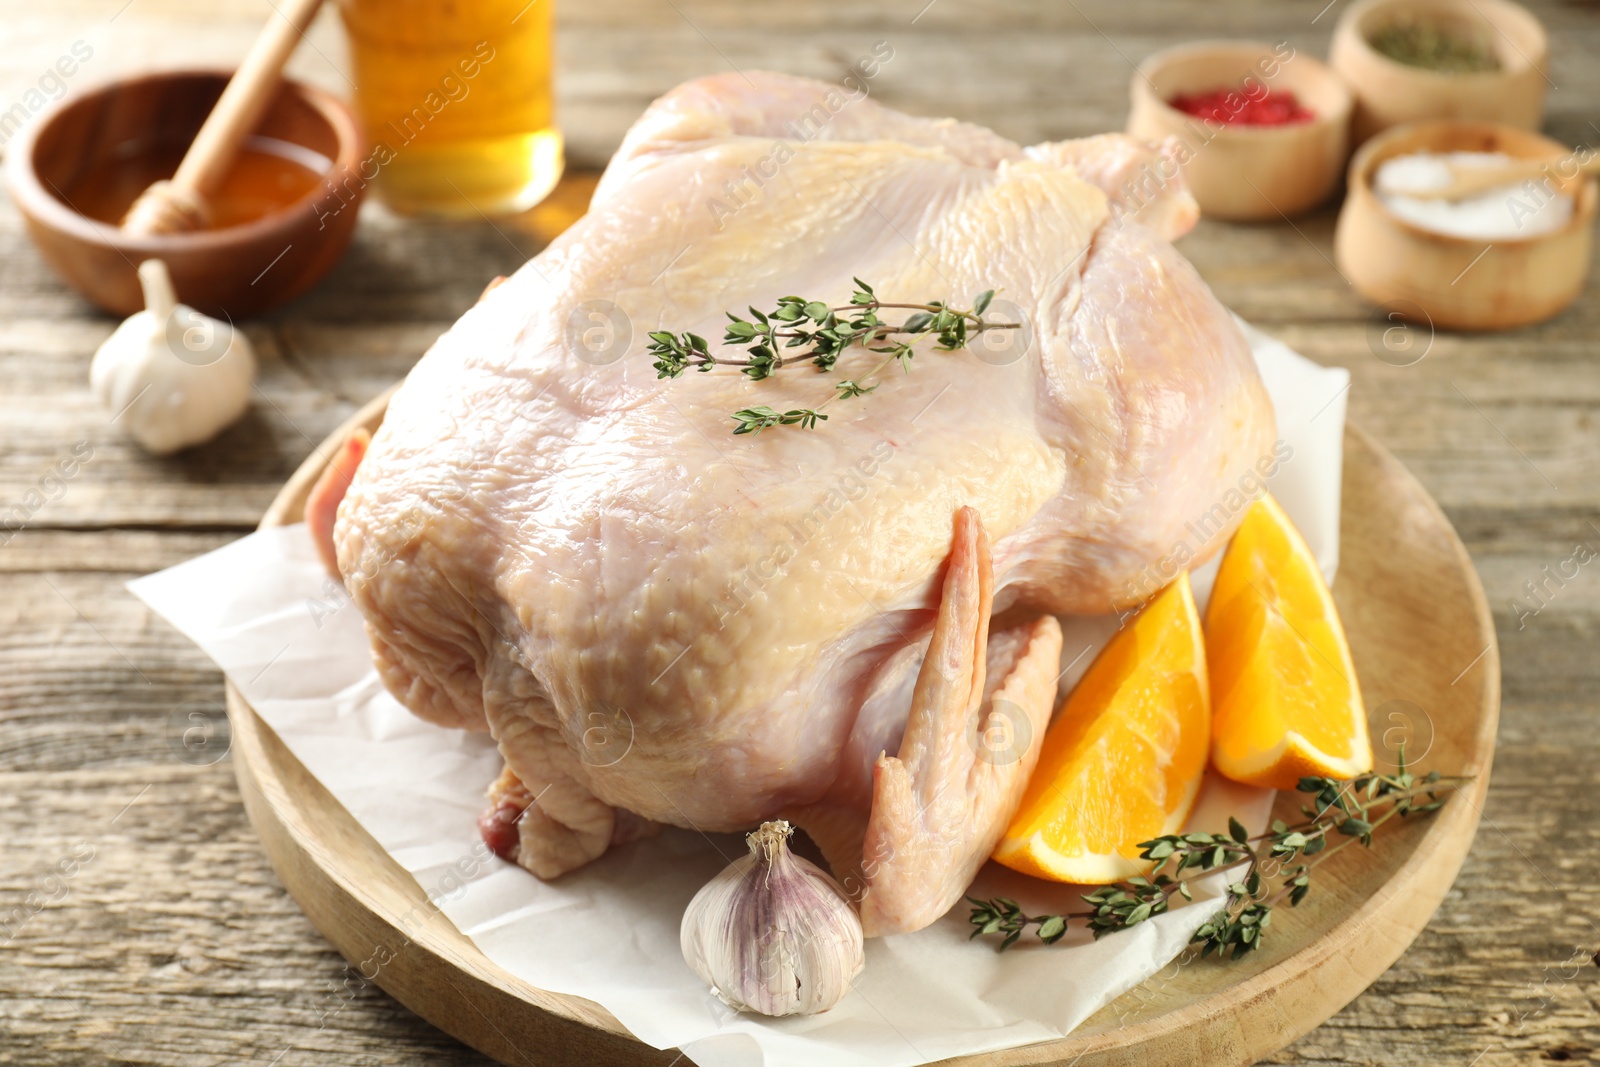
column 1269, row 107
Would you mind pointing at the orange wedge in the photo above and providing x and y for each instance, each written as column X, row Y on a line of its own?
column 1123, row 761
column 1286, row 704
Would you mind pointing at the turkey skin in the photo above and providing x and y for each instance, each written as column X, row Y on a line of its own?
column 660, row 622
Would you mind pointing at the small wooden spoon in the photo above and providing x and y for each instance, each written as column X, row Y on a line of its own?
column 1470, row 181
column 183, row 202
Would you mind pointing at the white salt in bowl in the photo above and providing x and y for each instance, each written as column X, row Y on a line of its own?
column 1507, row 212
column 1509, row 274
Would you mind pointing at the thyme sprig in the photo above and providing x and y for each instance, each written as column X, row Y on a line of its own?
column 756, row 419
column 1273, row 866
column 822, row 333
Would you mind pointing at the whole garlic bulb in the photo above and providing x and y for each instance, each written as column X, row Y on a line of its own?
column 171, row 376
column 773, row 933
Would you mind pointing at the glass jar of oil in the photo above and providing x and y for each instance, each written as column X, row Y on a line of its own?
column 457, row 103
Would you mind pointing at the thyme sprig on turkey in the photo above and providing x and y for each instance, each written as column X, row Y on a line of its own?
column 821, row 333
column 1273, row 867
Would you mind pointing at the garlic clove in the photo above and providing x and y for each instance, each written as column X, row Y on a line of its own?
column 773, row 933
column 170, row 376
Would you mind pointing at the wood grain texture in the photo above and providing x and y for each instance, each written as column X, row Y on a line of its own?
column 177, row 945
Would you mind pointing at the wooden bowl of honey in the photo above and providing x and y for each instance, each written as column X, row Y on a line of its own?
column 280, row 221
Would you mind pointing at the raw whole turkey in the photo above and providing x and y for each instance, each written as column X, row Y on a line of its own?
column 660, row 622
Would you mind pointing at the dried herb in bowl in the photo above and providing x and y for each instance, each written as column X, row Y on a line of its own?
column 1435, row 46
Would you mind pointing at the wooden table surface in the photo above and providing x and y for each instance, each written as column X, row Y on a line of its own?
column 168, row 939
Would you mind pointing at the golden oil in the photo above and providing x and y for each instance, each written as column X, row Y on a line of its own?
column 456, row 97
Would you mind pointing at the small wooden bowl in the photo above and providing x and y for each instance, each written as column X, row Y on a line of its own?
column 1389, row 92
column 234, row 272
column 1459, row 282
column 1241, row 172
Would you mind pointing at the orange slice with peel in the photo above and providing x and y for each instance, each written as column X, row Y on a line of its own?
column 1123, row 761
column 1286, row 703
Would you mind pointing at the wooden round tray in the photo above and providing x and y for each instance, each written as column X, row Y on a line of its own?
column 1424, row 647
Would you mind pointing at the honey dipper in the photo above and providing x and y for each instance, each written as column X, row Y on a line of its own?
column 182, row 202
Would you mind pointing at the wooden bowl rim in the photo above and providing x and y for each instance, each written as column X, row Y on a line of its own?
column 1434, row 846
column 30, row 194
column 1321, row 122
column 1586, row 201
column 1352, row 27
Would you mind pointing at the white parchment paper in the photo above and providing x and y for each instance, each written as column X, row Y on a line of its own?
column 265, row 611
